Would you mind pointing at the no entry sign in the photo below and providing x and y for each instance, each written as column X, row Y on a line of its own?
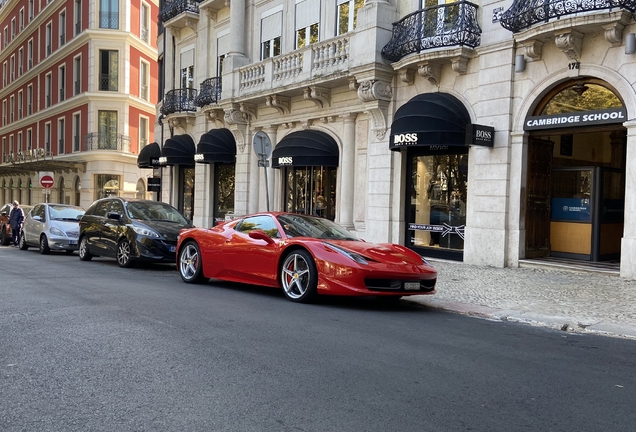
column 46, row 180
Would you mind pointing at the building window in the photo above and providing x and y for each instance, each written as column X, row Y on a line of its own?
column 20, row 142
column 109, row 67
column 107, row 135
column 12, row 68
column 141, row 189
column 77, row 75
column 60, row 136
column 144, row 31
column 21, row 19
column 11, row 149
column 12, row 104
column 4, row 112
column 49, row 38
column 109, row 14
column 29, row 99
column 62, row 82
column 310, row 190
column 143, row 132
column 271, row 30
column 307, row 19
column 47, row 90
column 348, row 14
column 78, row 16
column 31, row 10
column 106, row 185
column 30, row 54
column 62, row 28
column 187, row 69
column 20, row 61
column 29, row 139
column 13, row 29
column 4, row 74
column 144, row 72
column 5, row 34
column 20, row 104
column 47, row 138
column 76, row 132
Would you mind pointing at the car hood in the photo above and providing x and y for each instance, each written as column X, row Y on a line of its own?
column 168, row 230
column 71, row 228
column 381, row 252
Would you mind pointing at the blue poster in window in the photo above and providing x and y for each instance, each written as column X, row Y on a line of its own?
column 570, row 209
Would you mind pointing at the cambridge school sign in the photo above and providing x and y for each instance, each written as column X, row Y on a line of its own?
column 576, row 119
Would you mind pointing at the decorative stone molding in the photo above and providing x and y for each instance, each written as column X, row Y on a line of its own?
column 248, row 108
column 319, row 95
column 306, row 124
column 407, row 76
column 459, row 64
column 281, row 103
column 234, row 116
column 372, row 90
column 533, row 48
column 353, row 84
column 570, row 42
column 614, row 33
column 289, row 125
column 211, row 14
column 214, row 115
column 430, row 71
column 181, row 121
column 328, row 119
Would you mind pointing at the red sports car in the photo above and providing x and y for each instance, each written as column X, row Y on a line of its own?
column 305, row 255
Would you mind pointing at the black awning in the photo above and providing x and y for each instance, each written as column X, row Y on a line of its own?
column 178, row 150
column 149, row 156
column 217, row 145
column 430, row 119
column 306, row 148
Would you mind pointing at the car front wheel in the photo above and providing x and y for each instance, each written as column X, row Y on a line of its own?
column 299, row 277
column 124, row 254
column 44, row 245
column 23, row 243
column 84, row 254
column 190, row 263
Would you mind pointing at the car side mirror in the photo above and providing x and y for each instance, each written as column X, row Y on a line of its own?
column 113, row 215
column 37, row 218
column 260, row 235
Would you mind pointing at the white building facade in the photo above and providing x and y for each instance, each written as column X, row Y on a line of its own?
column 487, row 132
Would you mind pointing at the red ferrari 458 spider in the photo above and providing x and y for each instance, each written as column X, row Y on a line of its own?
column 305, row 255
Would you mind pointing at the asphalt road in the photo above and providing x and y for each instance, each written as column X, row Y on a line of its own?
column 92, row 347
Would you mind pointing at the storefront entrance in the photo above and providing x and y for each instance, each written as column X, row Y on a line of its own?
column 576, row 175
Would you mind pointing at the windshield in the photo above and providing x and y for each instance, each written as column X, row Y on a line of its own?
column 155, row 211
column 298, row 225
column 65, row 213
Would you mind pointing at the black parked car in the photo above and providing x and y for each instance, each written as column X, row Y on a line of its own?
column 130, row 230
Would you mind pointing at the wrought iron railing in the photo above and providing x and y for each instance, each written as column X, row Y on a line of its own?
column 176, row 7
column 434, row 27
column 106, row 141
column 179, row 100
column 109, row 20
column 78, row 28
column 210, row 92
column 144, row 34
column 108, row 82
column 525, row 13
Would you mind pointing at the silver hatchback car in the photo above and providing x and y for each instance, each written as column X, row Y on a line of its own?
column 52, row 227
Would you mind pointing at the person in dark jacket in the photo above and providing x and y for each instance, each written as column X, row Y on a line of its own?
column 16, row 218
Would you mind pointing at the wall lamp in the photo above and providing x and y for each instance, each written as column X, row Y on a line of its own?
column 630, row 43
column 520, row 63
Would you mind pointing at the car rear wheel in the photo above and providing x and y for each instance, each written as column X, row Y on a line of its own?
column 44, row 245
column 4, row 238
column 299, row 277
column 124, row 254
column 84, row 254
column 23, row 243
column 190, row 263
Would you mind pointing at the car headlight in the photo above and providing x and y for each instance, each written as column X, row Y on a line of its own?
column 145, row 231
column 351, row 255
column 57, row 232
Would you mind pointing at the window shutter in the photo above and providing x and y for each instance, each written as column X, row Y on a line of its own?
column 307, row 13
column 223, row 45
column 271, row 26
column 187, row 59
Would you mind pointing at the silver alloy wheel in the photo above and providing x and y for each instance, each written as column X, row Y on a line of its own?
column 295, row 276
column 123, row 253
column 84, row 253
column 189, row 262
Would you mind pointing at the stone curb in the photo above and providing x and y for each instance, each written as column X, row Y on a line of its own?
column 562, row 323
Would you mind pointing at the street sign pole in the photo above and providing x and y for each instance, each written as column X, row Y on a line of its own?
column 263, row 149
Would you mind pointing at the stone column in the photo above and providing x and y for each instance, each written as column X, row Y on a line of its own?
column 271, row 132
column 628, row 244
column 237, row 28
column 348, row 171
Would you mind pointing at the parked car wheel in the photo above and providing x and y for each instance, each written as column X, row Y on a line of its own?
column 190, row 264
column 124, row 254
column 23, row 243
column 299, row 276
column 44, row 245
column 4, row 238
column 84, row 254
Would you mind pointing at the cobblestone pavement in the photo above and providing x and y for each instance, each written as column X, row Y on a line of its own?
column 572, row 301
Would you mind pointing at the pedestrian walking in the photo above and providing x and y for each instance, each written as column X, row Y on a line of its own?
column 16, row 219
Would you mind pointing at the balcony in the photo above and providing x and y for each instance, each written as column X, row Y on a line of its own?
column 180, row 13
column 210, row 92
column 179, row 100
column 106, row 141
column 319, row 63
column 523, row 14
column 109, row 20
column 449, row 25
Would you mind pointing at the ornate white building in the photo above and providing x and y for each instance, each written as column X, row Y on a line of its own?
column 489, row 132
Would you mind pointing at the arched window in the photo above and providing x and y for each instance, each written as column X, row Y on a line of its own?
column 578, row 95
column 141, row 189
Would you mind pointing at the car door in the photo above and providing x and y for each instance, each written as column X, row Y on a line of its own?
column 253, row 260
column 113, row 227
column 34, row 224
column 93, row 226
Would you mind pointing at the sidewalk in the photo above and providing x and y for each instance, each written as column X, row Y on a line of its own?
column 570, row 301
